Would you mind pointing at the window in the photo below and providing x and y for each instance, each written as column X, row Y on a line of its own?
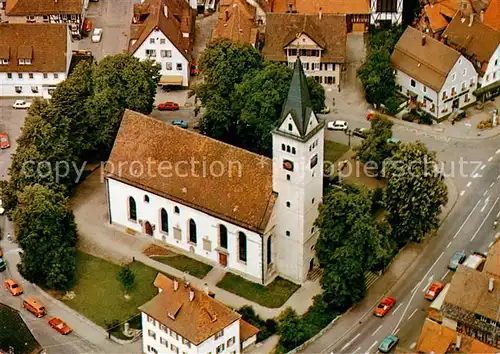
column 174, row 349
column 168, row 66
column 165, row 53
column 424, row 88
column 192, row 231
column 287, row 177
column 174, row 335
column 152, row 350
column 45, row 75
column 444, row 95
column 494, row 75
column 496, row 62
column 312, row 230
column 315, row 66
column 453, row 77
column 312, row 201
column 488, row 77
column 242, row 248
column 151, row 319
column 45, row 18
column 20, row 75
column 220, row 349
column 151, row 53
column 176, row 210
column 34, row 89
column 464, row 72
column 333, row 67
column 18, row 89
column 222, row 236
column 293, row 151
column 151, row 40
column 472, row 82
column 290, row 126
column 56, row 76
column 314, row 161
column 152, row 334
column 287, row 233
column 179, row 66
column 132, row 210
column 306, row 66
column 283, row 147
column 288, row 204
column 162, row 40
column 163, row 328
column 413, row 83
column 186, row 342
column 9, row 75
column 288, row 148
column 464, row 86
column 269, row 261
column 146, row 198
column 219, row 334
column 164, row 220
column 163, row 341
column 27, row 61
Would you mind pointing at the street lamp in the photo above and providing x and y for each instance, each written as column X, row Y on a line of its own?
column 349, row 134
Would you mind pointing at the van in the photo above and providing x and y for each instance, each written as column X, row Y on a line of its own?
column 33, row 306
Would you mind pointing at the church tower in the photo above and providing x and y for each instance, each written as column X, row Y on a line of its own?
column 298, row 143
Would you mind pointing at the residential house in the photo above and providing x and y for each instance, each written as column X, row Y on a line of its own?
column 163, row 31
column 46, row 11
column 481, row 45
column 319, row 41
column 182, row 319
column 34, row 58
column 237, row 21
column 432, row 75
column 437, row 14
column 388, row 11
column 219, row 203
column 472, row 304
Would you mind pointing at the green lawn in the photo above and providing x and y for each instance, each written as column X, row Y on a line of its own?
column 333, row 150
column 14, row 333
column 274, row 295
column 99, row 295
column 185, row 264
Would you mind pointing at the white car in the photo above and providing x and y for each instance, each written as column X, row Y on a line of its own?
column 21, row 104
column 337, row 125
column 96, row 35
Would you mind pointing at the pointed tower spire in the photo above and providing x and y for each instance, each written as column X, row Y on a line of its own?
column 298, row 103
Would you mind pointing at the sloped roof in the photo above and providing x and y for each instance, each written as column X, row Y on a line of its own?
column 195, row 320
column 479, row 40
column 326, row 6
column 492, row 15
column 330, row 32
column 43, row 7
column 429, row 63
column 236, row 22
column 179, row 18
column 239, row 190
column 247, row 330
column 45, row 43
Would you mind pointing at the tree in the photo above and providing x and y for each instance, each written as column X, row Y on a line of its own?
column 415, row 192
column 47, row 235
column 290, row 328
column 126, row 277
column 377, row 76
column 375, row 147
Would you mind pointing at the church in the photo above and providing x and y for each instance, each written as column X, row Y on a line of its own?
column 219, row 203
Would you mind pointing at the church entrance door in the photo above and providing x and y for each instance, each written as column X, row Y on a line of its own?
column 148, row 228
column 223, row 259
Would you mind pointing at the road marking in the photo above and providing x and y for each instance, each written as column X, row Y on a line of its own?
column 485, row 204
column 462, row 193
column 491, row 158
column 477, row 231
column 415, row 288
column 445, row 274
column 414, row 311
column 413, row 345
column 492, row 183
column 356, row 350
column 396, row 331
column 449, row 244
column 497, row 152
column 376, row 330
column 371, row 346
column 498, row 214
column 476, row 175
column 482, row 167
column 485, row 192
column 467, row 219
column 397, row 308
column 350, row 342
column 498, row 177
column 468, row 184
column 491, row 244
column 431, row 278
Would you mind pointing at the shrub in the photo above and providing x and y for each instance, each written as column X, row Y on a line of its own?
column 426, row 118
column 485, row 124
column 267, row 327
column 391, row 105
column 409, row 117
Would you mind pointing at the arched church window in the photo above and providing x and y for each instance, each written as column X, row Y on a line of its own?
column 132, row 209
column 242, row 247
column 192, row 231
column 293, row 151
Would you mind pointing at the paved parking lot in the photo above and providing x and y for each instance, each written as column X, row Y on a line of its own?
column 11, row 121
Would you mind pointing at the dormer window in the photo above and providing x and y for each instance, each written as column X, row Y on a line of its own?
column 5, row 61
column 290, row 127
column 27, row 61
column 21, row 61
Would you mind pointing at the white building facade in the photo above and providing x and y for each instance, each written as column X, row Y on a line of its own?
column 492, row 72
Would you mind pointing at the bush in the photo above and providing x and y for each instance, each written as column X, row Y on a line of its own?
column 267, row 327
column 426, row 118
column 485, row 124
column 378, row 199
column 391, row 105
column 126, row 277
column 409, row 117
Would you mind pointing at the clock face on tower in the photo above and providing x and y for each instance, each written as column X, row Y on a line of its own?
column 288, row 165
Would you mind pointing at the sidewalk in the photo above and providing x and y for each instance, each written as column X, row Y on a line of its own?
column 99, row 238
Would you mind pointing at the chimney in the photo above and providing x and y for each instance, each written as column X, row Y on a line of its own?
column 423, row 39
column 207, row 291
column 320, row 13
column 491, row 285
column 481, row 15
column 226, row 15
column 459, row 343
column 176, row 284
column 471, row 19
column 191, row 294
column 165, row 10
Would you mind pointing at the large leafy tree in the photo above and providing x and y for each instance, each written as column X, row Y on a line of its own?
column 47, row 236
column 377, row 77
column 290, row 328
column 415, row 192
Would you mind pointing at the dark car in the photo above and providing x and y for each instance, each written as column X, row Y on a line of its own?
column 180, row 123
column 3, row 265
column 360, row 132
column 457, row 258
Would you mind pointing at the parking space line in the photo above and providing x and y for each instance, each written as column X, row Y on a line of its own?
column 467, row 219
column 448, row 246
column 490, row 158
column 485, row 192
column 371, row 346
column 350, row 342
column 396, row 332
column 497, row 152
column 492, row 183
column 468, row 184
column 376, row 330
column 445, row 274
column 414, row 311
column 480, row 226
column 482, row 167
column 462, row 193
column 401, row 304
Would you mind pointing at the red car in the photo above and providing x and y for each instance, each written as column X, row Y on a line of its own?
column 4, row 140
column 59, row 325
column 194, row 68
column 433, row 290
column 384, row 307
column 168, row 106
column 14, row 288
column 87, row 25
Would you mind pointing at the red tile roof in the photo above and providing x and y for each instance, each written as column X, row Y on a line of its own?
column 236, row 22
column 327, row 6
column 492, row 15
column 43, row 7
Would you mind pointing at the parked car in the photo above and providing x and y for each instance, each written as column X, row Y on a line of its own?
column 457, row 258
column 388, row 343
column 433, row 290
column 59, row 325
column 168, row 106
column 87, row 25
column 194, row 68
column 4, row 140
column 360, row 132
column 2, row 210
column 337, row 125
column 325, row 110
column 96, row 35
column 21, row 104
column 3, row 264
column 14, row 288
column 384, row 307
column 179, row 122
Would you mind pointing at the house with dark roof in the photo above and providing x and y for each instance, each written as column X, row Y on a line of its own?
column 237, row 21
column 163, row 31
column 435, row 77
column 480, row 44
column 34, row 58
column 319, row 41
column 183, row 319
column 219, row 203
